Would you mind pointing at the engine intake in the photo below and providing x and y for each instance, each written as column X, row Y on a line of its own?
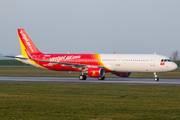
column 96, row 72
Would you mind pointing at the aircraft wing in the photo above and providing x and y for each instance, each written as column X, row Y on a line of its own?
column 74, row 65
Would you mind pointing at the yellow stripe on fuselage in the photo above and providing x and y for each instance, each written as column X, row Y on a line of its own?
column 32, row 61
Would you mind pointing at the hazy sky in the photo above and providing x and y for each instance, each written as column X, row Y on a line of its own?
column 92, row 26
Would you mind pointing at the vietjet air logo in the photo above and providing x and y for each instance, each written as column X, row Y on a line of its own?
column 26, row 40
column 65, row 57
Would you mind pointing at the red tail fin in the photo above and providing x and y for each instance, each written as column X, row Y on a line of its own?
column 26, row 44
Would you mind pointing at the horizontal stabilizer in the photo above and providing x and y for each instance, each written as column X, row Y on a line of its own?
column 17, row 57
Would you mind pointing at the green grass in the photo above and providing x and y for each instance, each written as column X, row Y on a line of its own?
column 12, row 63
column 88, row 101
column 32, row 71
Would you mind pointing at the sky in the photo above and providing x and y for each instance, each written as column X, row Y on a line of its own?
column 92, row 26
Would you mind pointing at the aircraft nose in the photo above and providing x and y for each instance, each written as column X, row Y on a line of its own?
column 174, row 66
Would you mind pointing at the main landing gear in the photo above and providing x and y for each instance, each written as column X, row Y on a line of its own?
column 156, row 77
column 82, row 77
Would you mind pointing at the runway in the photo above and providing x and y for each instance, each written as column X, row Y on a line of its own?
column 75, row 80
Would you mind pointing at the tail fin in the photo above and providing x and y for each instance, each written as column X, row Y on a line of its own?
column 27, row 46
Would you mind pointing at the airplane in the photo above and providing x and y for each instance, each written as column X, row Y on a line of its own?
column 93, row 65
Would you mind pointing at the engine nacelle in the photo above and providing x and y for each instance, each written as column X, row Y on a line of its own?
column 96, row 72
column 123, row 74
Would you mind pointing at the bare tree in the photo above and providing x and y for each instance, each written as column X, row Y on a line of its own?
column 175, row 55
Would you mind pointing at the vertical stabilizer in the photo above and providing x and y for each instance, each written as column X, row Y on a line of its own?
column 27, row 46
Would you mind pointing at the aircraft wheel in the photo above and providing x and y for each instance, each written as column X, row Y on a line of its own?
column 82, row 77
column 101, row 78
column 156, row 79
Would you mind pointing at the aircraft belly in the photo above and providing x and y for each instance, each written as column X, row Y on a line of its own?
column 109, row 67
column 129, row 68
column 136, row 68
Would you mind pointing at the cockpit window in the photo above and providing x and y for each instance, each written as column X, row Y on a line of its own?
column 166, row 60
column 169, row 60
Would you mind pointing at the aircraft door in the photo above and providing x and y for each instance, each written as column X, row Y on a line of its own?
column 118, row 60
column 152, row 62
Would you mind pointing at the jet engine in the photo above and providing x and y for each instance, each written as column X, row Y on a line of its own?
column 96, row 72
column 123, row 74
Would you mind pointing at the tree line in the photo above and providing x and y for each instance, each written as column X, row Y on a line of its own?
column 175, row 55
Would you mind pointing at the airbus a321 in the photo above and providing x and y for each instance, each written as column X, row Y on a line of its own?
column 93, row 65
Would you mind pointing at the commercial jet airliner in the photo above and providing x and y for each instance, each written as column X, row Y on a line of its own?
column 93, row 65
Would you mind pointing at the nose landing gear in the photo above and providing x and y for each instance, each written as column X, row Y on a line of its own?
column 156, row 77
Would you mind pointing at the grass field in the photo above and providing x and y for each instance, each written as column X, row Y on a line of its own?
column 44, row 101
column 32, row 71
column 88, row 101
column 12, row 63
